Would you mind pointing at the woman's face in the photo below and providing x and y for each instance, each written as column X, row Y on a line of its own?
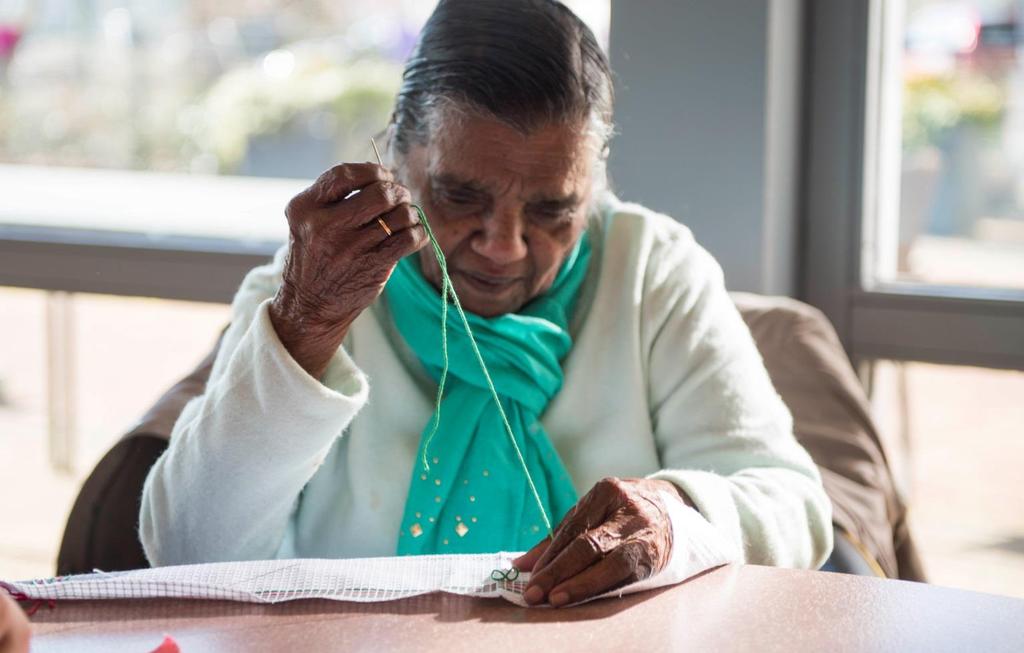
column 506, row 208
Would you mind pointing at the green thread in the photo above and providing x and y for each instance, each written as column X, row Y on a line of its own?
column 510, row 574
column 448, row 291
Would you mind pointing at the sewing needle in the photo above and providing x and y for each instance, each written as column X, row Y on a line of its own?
column 380, row 161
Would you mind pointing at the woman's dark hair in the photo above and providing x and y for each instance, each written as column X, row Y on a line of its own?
column 528, row 63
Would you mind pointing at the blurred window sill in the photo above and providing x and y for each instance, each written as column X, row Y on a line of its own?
column 137, row 233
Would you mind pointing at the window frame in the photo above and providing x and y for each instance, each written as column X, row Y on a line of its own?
column 159, row 239
column 927, row 323
column 124, row 263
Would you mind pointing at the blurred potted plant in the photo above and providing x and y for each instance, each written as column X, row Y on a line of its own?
column 296, row 112
column 947, row 120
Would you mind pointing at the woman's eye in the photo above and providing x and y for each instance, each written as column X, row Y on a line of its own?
column 552, row 213
column 459, row 199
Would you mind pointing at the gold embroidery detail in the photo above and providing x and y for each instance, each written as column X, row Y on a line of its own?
column 416, row 530
column 461, row 529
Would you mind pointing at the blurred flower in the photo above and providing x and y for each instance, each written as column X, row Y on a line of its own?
column 935, row 104
column 9, row 37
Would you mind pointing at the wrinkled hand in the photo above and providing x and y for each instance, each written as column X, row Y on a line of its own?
column 619, row 533
column 14, row 628
column 340, row 257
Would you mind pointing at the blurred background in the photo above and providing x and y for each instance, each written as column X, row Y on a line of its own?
column 176, row 130
column 961, row 218
column 266, row 88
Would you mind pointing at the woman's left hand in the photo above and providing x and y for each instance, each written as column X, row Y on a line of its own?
column 617, row 534
column 14, row 628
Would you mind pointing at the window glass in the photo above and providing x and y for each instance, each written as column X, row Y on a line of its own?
column 957, row 217
column 122, row 354
column 186, row 92
column 271, row 88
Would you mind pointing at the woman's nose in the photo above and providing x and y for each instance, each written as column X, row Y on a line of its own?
column 500, row 240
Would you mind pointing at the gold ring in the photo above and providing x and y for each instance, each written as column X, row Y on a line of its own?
column 384, row 226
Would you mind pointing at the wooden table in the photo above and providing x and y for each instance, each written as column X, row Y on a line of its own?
column 733, row 608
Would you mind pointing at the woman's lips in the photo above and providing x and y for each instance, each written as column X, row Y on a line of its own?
column 487, row 283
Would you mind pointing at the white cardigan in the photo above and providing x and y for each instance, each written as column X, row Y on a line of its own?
column 663, row 380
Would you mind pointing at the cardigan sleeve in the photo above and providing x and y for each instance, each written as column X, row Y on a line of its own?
column 241, row 453
column 723, row 434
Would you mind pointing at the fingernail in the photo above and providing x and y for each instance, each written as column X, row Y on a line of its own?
column 533, row 595
column 559, row 598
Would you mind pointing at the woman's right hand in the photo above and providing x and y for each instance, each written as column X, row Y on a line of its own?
column 340, row 257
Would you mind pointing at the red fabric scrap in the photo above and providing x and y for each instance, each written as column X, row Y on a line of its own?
column 167, row 646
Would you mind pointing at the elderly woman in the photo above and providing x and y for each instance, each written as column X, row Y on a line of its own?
column 625, row 371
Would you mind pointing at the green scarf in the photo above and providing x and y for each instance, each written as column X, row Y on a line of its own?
column 475, row 497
